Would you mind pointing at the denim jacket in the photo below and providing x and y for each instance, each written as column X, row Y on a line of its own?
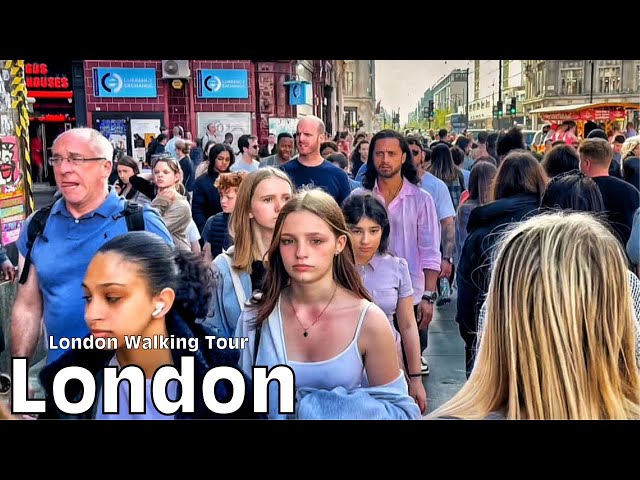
column 224, row 310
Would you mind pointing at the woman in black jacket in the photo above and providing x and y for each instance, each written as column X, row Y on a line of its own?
column 206, row 199
column 137, row 287
column 517, row 191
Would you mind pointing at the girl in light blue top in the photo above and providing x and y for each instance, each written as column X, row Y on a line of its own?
column 387, row 279
column 316, row 316
column 239, row 271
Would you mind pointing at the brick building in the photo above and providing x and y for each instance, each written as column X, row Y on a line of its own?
column 128, row 100
column 239, row 96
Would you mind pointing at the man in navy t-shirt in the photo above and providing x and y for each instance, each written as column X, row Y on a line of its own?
column 310, row 168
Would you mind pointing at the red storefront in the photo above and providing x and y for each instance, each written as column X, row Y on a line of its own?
column 50, row 86
column 128, row 100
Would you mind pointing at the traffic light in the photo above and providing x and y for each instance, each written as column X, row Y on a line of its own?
column 431, row 111
column 500, row 109
column 512, row 107
column 425, row 112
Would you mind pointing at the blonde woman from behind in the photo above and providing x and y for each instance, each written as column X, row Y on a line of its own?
column 559, row 337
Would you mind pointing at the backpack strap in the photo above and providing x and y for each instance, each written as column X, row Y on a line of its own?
column 134, row 215
column 256, row 344
column 237, row 283
column 34, row 230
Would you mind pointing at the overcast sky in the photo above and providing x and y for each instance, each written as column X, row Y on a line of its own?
column 401, row 83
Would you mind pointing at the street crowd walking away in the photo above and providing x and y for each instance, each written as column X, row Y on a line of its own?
column 329, row 254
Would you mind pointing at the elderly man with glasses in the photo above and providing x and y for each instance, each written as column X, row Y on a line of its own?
column 79, row 223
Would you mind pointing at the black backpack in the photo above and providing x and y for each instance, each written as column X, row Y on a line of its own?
column 133, row 213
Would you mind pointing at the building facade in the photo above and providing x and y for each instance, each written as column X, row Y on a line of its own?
column 359, row 83
column 490, row 81
column 573, row 82
column 450, row 92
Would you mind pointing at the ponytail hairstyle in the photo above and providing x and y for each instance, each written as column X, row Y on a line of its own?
column 184, row 272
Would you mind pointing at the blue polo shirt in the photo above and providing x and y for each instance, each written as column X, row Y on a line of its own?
column 62, row 257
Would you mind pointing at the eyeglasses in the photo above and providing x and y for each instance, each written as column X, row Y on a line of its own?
column 415, row 152
column 73, row 159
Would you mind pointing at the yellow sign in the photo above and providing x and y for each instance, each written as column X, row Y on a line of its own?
column 177, row 84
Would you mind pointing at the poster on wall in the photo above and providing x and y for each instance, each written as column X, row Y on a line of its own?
column 279, row 125
column 11, row 231
column 12, row 216
column 11, row 177
column 116, row 131
column 236, row 124
column 143, row 131
column 6, row 123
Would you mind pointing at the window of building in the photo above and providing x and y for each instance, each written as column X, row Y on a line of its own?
column 505, row 73
column 349, row 87
column 571, row 81
column 609, row 79
column 350, row 116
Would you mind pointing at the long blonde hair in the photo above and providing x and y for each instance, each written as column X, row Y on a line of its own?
column 559, row 336
column 240, row 223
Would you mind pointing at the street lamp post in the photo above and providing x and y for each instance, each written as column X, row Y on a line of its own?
column 466, row 109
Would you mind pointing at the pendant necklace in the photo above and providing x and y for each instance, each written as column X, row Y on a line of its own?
column 306, row 330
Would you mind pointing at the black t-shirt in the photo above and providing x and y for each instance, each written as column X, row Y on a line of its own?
column 621, row 200
column 257, row 275
column 326, row 176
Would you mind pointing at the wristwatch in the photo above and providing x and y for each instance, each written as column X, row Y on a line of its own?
column 430, row 297
column 449, row 259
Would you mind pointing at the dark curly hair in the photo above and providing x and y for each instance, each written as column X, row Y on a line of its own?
column 164, row 267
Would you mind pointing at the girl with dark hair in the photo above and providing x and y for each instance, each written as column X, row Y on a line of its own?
column 359, row 156
column 442, row 167
column 128, row 167
column 480, row 183
column 206, row 198
column 387, row 279
column 316, row 316
column 560, row 159
column 137, row 286
column 573, row 191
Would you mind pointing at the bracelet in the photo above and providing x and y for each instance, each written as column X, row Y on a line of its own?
column 415, row 375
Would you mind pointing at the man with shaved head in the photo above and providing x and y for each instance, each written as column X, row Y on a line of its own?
column 310, row 168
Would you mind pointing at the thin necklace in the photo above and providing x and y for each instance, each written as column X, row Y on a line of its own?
column 306, row 330
column 398, row 190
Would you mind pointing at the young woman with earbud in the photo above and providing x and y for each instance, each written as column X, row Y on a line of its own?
column 137, row 287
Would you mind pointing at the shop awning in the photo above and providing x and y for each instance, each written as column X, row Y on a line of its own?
column 586, row 111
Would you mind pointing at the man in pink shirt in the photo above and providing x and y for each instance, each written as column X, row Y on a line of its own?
column 415, row 231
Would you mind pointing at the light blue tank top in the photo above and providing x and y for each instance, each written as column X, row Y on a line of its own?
column 344, row 370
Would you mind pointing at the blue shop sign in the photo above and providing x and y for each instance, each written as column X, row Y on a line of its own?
column 300, row 93
column 124, row 82
column 223, row 84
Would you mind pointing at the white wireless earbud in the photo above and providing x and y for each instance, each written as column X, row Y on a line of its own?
column 158, row 309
